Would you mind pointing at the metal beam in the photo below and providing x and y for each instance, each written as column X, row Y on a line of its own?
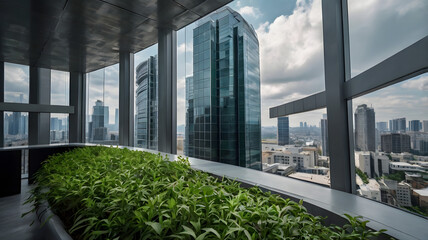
column 40, row 93
column 407, row 63
column 337, row 109
column 1, row 101
column 167, row 95
column 77, row 101
column 313, row 102
column 34, row 108
column 126, row 99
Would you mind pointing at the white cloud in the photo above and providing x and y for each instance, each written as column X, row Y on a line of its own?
column 248, row 11
column 420, row 83
column 291, row 57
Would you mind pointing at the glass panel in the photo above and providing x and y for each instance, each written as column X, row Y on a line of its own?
column 379, row 29
column 59, row 128
column 146, row 98
column 60, row 88
column 391, row 145
column 15, row 129
column 298, row 147
column 102, row 106
column 16, row 83
column 238, row 62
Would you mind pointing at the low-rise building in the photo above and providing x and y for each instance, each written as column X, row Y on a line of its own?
column 404, row 191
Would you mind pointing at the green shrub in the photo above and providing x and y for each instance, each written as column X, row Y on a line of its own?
column 110, row 193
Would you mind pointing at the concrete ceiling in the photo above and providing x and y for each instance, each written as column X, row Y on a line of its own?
column 86, row 35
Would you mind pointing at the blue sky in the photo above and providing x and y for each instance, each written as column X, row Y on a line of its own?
column 291, row 56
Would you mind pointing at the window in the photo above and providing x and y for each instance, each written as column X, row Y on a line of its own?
column 15, row 129
column 60, row 91
column 102, row 119
column 16, row 83
column 298, row 147
column 60, row 88
column 59, row 128
column 146, row 98
column 236, row 63
column 379, row 29
column 391, row 144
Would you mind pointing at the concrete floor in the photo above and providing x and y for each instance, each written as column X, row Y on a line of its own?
column 12, row 226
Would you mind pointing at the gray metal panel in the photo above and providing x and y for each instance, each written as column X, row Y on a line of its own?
column 126, row 99
column 40, row 93
column 77, row 97
column 406, row 64
column 43, row 108
column 1, row 101
column 86, row 35
column 310, row 103
column 334, row 64
column 167, row 115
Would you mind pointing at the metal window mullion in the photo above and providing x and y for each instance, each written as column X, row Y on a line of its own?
column 335, row 64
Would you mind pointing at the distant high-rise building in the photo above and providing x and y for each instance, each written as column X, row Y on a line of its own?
column 15, row 123
column 116, row 119
column 324, row 135
column 397, row 125
column 305, row 124
column 395, row 142
column 365, row 139
column 99, row 120
column 283, row 131
column 414, row 125
column 301, row 124
column 425, row 125
column 147, row 103
column 54, row 124
column 225, row 125
column 382, row 126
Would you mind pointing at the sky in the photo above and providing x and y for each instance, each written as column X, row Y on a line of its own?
column 291, row 57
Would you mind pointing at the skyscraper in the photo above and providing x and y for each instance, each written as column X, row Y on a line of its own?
column 364, row 128
column 324, row 135
column 99, row 121
column 414, row 125
column 425, row 125
column 397, row 125
column 116, row 119
column 283, row 131
column 225, row 92
column 382, row 126
column 147, row 103
column 395, row 142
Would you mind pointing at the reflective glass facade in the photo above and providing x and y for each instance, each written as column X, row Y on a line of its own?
column 223, row 95
column 283, row 131
column 147, row 103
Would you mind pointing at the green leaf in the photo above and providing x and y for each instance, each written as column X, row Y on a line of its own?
column 212, row 230
column 156, row 226
column 188, row 231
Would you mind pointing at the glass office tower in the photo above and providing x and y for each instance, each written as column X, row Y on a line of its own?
column 223, row 95
column 147, row 103
column 283, row 131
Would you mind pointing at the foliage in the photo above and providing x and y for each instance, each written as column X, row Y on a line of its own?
column 362, row 175
column 111, row 193
column 398, row 176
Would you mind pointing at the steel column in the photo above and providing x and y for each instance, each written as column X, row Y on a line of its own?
column 126, row 99
column 1, row 101
column 40, row 93
column 337, row 106
column 77, row 100
column 167, row 68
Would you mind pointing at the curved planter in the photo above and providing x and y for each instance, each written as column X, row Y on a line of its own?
column 53, row 228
